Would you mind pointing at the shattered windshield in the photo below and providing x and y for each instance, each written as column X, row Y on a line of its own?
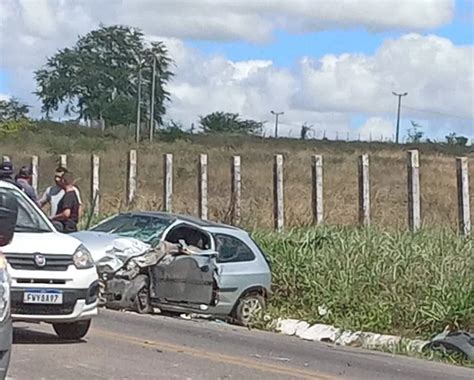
column 142, row 227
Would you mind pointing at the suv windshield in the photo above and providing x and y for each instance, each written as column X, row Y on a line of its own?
column 29, row 218
column 142, row 227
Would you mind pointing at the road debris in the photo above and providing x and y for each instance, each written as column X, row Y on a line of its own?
column 461, row 342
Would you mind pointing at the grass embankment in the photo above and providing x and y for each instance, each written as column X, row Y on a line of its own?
column 388, row 174
column 412, row 285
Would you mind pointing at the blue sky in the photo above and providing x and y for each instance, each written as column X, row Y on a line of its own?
column 284, row 49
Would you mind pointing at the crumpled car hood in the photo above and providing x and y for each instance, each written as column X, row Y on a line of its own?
column 96, row 242
column 110, row 252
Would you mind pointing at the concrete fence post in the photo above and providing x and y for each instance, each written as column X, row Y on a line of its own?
column 317, row 189
column 95, row 184
column 464, row 210
column 236, row 190
column 63, row 160
column 414, row 192
column 34, row 172
column 168, row 182
column 202, row 187
column 132, row 176
column 364, row 190
column 278, row 189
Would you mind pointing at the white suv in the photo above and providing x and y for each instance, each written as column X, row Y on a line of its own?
column 54, row 278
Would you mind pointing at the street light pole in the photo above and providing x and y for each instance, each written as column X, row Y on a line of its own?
column 139, row 101
column 398, row 113
column 277, row 114
column 152, row 101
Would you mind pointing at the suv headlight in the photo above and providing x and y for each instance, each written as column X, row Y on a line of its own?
column 82, row 258
column 4, row 289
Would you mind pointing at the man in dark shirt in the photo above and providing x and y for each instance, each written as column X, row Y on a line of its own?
column 68, row 206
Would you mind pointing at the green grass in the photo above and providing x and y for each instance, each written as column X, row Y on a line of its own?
column 396, row 283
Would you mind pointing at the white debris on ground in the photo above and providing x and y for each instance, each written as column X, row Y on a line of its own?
column 327, row 333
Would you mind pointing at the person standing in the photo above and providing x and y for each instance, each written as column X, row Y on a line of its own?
column 54, row 194
column 23, row 179
column 6, row 172
column 68, row 207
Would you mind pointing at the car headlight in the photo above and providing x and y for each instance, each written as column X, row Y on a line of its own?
column 5, row 281
column 82, row 258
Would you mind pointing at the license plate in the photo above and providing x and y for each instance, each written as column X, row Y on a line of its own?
column 53, row 297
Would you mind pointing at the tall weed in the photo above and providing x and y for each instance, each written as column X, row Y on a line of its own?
column 368, row 279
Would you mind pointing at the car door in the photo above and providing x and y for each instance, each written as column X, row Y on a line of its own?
column 189, row 280
column 238, row 268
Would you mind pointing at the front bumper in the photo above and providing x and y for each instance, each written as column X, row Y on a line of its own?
column 78, row 304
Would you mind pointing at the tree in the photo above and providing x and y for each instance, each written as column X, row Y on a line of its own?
column 13, row 109
column 415, row 134
column 453, row 139
column 97, row 79
column 222, row 122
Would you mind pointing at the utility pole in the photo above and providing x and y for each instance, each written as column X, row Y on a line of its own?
column 276, row 121
column 398, row 113
column 139, row 101
column 152, row 101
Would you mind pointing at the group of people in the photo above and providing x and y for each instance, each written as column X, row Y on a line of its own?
column 63, row 197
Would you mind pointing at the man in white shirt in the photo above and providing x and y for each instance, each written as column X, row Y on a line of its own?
column 54, row 194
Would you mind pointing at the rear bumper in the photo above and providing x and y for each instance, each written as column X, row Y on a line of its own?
column 78, row 304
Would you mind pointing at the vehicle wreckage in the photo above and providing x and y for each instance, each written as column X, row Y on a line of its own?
column 178, row 263
column 131, row 270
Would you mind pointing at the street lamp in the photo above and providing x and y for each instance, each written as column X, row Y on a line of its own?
column 276, row 121
column 140, row 63
column 398, row 113
column 152, row 100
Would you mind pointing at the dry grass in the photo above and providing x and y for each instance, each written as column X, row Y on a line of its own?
column 388, row 175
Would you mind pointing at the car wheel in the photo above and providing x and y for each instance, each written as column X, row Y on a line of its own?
column 250, row 307
column 142, row 300
column 72, row 331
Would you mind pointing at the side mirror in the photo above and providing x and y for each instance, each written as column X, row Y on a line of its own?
column 8, row 217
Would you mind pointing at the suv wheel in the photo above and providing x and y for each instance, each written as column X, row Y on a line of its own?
column 249, row 308
column 72, row 331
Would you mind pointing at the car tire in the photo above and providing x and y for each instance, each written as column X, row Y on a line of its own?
column 72, row 331
column 248, row 307
column 142, row 303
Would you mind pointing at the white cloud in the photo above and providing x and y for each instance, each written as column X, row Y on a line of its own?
column 437, row 75
column 39, row 27
column 377, row 128
column 324, row 91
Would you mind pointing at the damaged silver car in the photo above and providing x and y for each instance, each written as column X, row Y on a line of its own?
column 178, row 263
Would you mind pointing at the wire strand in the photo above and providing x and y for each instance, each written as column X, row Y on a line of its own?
column 438, row 113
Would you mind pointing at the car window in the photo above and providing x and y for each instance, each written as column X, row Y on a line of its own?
column 190, row 235
column 232, row 249
column 29, row 218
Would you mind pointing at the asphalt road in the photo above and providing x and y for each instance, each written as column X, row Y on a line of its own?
column 130, row 346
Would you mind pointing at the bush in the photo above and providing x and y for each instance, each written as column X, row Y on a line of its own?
column 13, row 127
column 412, row 284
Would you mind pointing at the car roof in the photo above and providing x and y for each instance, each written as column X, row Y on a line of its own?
column 205, row 224
column 7, row 185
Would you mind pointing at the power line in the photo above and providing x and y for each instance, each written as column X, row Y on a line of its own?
column 438, row 113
